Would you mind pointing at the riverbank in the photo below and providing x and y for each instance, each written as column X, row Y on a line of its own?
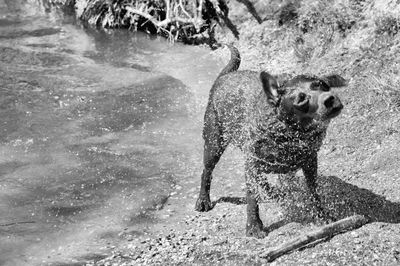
column 89, row 123
column 359, row 169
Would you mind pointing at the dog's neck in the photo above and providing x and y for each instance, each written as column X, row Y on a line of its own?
column 294, row 123
column 289, row 118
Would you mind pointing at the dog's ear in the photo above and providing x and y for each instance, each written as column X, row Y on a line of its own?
column 270, row 86
column 335, row 81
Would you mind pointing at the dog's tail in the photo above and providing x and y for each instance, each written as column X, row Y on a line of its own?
column 233, row 63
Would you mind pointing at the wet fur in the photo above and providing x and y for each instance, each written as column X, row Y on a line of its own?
column 244, row 110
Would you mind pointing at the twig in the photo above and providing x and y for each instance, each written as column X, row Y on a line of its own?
column 23, row 222
column 183, row 9
column 168, row 7
column 162, row 23
column 251, row 9
column 325, row 232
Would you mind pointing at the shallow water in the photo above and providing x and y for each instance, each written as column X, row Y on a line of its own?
column 96, row 129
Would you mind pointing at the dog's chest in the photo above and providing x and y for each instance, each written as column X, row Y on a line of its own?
column 283, row 150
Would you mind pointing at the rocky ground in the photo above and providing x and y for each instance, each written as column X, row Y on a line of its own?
column 359, row 162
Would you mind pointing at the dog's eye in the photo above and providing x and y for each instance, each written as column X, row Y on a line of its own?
column 314, row 86
column 281, row 91
column 319, row 85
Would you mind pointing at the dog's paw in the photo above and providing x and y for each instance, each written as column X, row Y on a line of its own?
column 203, row 204
column 255, row 231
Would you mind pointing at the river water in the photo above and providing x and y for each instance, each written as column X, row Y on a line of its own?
column 97, row 130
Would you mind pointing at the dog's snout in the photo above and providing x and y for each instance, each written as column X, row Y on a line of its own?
column 330, row 101
column 333, row 105
column 339, row 105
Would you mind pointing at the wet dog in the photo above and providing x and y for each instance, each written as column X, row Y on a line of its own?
column 279, row 127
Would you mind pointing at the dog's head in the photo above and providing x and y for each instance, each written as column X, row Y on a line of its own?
column 304, row 98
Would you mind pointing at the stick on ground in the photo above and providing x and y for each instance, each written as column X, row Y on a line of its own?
column 327, row 231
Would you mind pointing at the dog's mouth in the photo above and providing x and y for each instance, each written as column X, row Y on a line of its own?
column 302, row 102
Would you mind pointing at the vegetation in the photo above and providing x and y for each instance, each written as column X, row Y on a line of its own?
column 191, row 21
column 195, row 21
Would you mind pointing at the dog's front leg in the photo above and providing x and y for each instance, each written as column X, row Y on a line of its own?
column 203, row 203
column 310, row 171
column 213, row 149
column 254, row 225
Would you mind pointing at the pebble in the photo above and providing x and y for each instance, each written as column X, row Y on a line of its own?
column 354, row 234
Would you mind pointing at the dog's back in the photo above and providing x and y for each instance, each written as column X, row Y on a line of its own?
column 235, row 100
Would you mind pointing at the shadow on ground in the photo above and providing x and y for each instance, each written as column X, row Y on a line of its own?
column 344, row 199
column 340, row 198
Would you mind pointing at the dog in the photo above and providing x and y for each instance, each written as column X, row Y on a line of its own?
column 279, row 126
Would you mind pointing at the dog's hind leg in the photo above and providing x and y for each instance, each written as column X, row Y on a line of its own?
column 254, row 225
column 214, row 146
